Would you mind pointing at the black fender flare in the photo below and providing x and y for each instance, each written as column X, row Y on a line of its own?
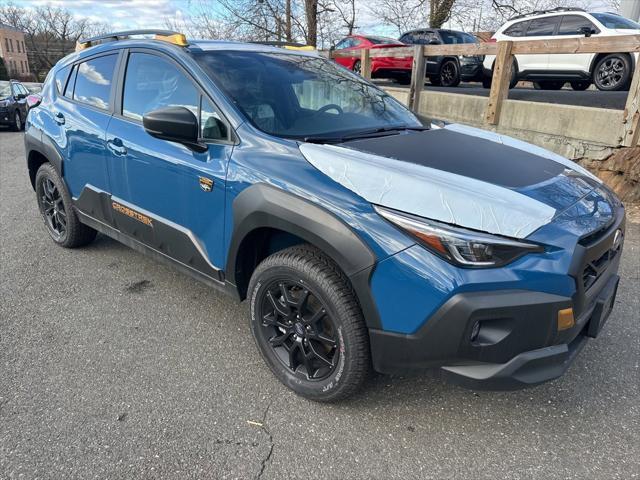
column 262, row 205
column 46, row 149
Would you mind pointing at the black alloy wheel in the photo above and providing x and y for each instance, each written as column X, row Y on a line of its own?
column 298, row 328
column 612, row 72
column 52, row 208
column 357, row 67
column 449, row 74
column 308, row 325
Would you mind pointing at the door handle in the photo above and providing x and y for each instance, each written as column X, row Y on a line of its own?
column 59, row 118
column 116, row 146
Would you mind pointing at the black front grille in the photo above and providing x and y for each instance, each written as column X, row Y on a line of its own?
column 594, row 268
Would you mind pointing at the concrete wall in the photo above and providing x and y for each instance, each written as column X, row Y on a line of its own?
column 574, row 132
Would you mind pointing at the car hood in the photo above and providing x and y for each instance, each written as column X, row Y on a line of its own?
column 459, row 175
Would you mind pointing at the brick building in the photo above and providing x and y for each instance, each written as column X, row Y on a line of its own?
column 13, row 51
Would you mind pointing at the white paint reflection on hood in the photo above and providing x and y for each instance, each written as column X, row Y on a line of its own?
column 430, row 193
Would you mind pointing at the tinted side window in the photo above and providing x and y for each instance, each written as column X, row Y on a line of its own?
column 341, row 44
column 152, row 82
column 61, row 79
column 571, row 25
column 517, row 29
column 539, row 27
column 68, row 91
column 93, row 81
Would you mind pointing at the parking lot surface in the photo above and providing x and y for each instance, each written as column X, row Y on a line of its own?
column 113, row 366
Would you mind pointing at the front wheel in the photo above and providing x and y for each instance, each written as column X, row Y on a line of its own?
column 357, row 67
column 612, row 72
column 308, row 325
column 449, row 74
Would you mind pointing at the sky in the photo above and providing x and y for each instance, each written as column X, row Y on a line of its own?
column 131, row 14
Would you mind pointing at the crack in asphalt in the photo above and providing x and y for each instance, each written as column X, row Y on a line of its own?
column 264, row 428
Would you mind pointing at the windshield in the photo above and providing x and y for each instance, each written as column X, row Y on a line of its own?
column 450, row 37
column 611, row 20
column 5, row 89
column 300, row 96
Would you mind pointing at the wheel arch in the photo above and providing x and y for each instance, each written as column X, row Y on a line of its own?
column 267, row 219
column 599, row 56
column 39, row 152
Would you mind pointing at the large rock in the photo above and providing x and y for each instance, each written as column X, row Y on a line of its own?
column 620, row 170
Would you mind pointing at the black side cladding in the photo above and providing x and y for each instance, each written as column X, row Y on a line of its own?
column 463, row 154
column 265, row 206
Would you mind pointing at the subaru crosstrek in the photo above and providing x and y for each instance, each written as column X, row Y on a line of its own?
column 362, row 237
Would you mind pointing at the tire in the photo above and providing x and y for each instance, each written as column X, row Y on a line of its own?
column 487, row 81
column 56, row 208
column 404, row 80
column 580, row 85
column 449, row 75
column 549, row 85
column 17, row 121
column 337, row 368
column 612, row 72
column 357, row 67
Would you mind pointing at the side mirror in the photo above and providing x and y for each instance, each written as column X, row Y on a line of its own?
column 20, row 96
column 586, row 31
column 176, row 124
column 33, row 100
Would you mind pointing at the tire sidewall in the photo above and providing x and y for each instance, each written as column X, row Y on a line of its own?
column 320, row 389
column 17, row 121
column 44, row 172
column 456, row 80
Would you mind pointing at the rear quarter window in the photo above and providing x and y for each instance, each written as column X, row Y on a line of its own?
column 60, row 79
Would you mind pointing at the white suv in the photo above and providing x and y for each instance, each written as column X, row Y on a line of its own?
column 608, row 71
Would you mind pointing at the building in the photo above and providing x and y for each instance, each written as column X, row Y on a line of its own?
column 13, row 51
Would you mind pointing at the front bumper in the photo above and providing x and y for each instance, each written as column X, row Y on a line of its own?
column 509, row 339
column 6, row 117
column 471, row 71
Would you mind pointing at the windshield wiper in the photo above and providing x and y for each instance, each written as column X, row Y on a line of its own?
column 377, row 132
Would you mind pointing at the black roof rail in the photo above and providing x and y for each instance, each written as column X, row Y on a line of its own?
column 170, row 36
column 552, row 10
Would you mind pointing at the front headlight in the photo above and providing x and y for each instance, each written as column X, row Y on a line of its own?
column 462, row 247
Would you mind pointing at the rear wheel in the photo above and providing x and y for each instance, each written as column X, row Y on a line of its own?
column 404, row 79
column 308, row 325
column 487, row 80
column 549, row 85
column 612, row 72
column 580, row 86
column 54, row 203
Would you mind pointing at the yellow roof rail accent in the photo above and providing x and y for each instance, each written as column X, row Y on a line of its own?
column 168, row 36
column 306, row 48
column 176, row 38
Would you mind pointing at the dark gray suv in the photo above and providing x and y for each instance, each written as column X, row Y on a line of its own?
column 13, row 104
column 447, row 71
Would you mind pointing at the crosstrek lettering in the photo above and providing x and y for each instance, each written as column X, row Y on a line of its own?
column 132, row 213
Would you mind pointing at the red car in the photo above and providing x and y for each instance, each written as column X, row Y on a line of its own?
column 398, row 68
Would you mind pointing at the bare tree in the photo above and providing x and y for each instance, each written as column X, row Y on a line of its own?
column 347, row 13
column 403, row 15
column 439, row 12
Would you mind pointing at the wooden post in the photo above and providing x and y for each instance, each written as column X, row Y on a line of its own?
column 417, row 78
column 365, row 63
column 500, row 82
column 631, row 119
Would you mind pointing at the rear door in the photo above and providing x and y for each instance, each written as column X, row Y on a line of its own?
column 166, row 195
column 543, row 28
column 82, row 116
column 570, row 26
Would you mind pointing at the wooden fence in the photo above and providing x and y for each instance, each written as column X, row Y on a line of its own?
column 504, row 52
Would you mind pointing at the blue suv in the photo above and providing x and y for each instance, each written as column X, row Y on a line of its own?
column 363, row 237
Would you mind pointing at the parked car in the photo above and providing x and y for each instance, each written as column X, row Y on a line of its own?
column 397, row 68
column 360, row 237
column 13, row 104
column 448, row 70
column 33, row 87
column 607, row 71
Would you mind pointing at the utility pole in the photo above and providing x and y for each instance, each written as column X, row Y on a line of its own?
column 630, row 9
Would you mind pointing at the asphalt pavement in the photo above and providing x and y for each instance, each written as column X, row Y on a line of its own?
column 566, row 96
column 113, row 366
